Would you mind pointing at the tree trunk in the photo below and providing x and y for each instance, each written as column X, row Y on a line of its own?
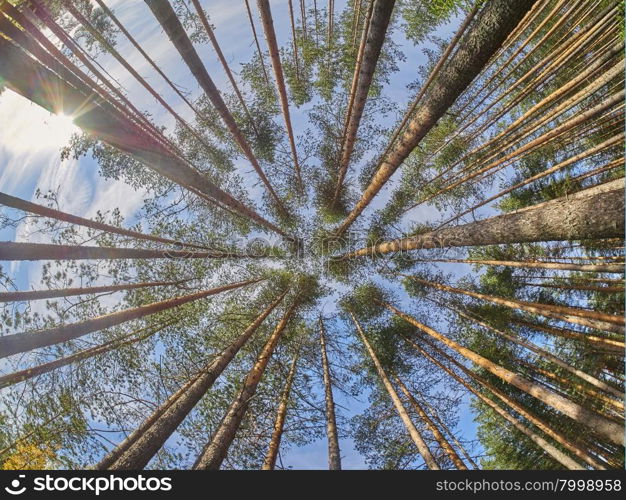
column 334, row 455
column 10, row 250
column 34, row 208
column 256, row 42
column 38, row 84
column 600, row 384
column 551, row 450
column 439, row 437
column 363, row 76
column 590, row 214
column 24, row 342
column 28, row 373
column 591, row 319
column 220, row 56
column 272, row 450
column 215, row 451
column 168, row 20
column 594, row 340
column 535, row 264
column 70, row 292
column 272, row 44
column 142, row 444
column 416, row 437
column 494, row 23
column 604, row 427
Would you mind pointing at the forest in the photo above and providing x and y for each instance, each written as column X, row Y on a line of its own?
column 308, row 234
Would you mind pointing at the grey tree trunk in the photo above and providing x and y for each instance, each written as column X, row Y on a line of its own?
column 334, row 455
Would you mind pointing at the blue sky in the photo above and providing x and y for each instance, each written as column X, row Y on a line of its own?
column 31, row 139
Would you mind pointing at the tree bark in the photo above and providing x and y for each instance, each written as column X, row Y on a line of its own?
column 589, row 214
column 10, row 250
column 168, row 20
column 591, row 319
column 494, row 23
column 142, row 444
column 604, row 427
column 364, row 73
column 550, row 449
column 28, row 373
column 272, row 451
column 439, row 437
column 334, row 455
column 272, row 44
column 34, row 208
column 38, row 84
column 69, row 292
column 215, row 451
column 23, row 342
column 416, row 437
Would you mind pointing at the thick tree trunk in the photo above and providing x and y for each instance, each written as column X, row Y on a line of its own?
column 10, row 250
column 215, row 451
column 601, row 425
column 168, row 20
column 439, row 437
column 494, row 23
column 142, row 444
column 589, row 214
column 38, row 84
column 550, row 449
column 591, row 319
column 272, row 451
column 364, row 74
column 272, row 44
column 416, row 437
column 334, row 455
column 23, row 342
column 70, row 292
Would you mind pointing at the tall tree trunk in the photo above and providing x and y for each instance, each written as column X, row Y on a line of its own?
column 168, row 20
column 34, row 208
column 550, row 449
column 294, row 40
column 70, row 292
column 591, row 319
column 600, row 384
column 497, row 19
column 416, row 437
column 150, row 61
column 142, row 444
column 256, row 42
column 601, row 342
column 534, row 264
column 272, row 44
column 216, row 449
column 584, row 288
column 590, row 214
column 439, row 437
column 10, row 250
column 131, row 338
column 364, row 73
column 450, row 433
column 24, row 342
column 334, row 455
column 220, row 56
column 40, row 85
column 272, row 451
column 604, row 427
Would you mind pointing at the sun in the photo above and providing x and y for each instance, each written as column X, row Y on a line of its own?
column 60, row 129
